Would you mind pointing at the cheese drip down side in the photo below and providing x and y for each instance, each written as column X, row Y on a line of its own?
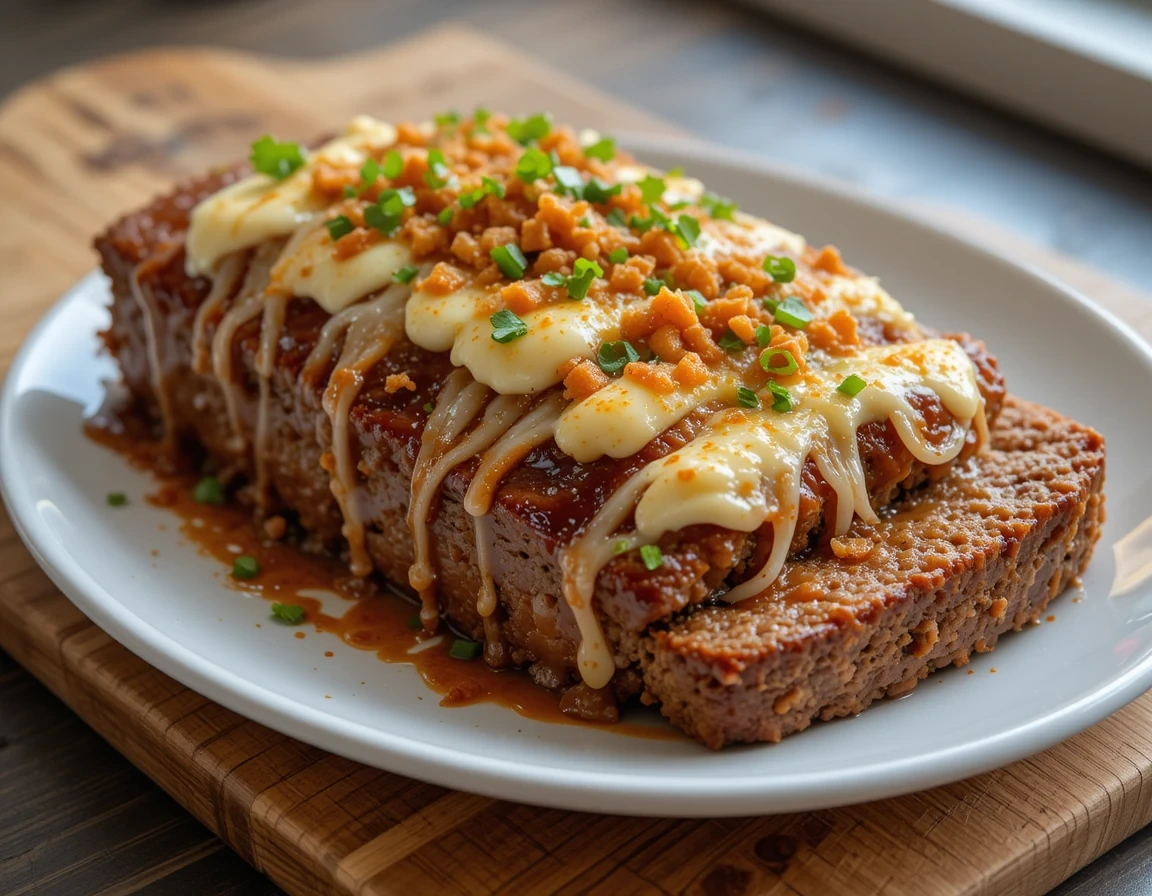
column 744, row 469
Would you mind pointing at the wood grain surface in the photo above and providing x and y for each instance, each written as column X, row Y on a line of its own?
column 95, row 141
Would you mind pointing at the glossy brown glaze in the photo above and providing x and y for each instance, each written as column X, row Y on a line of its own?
column 377, row 617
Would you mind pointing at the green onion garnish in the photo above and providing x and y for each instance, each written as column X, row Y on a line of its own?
column 584, row 222
column 276, row 159
column 438, row 172
column 208, row 491
column 429, row 407
column 717, row 206
column 730, row 342
column 781, row 397
column 480, row 120
column 506, row 326
column 852, row 385
column 780, row 269
column 245, row 567
column 793, row 312
column 492, row 187
column 117, row 499
column 445, row 216
column 386, row 215
column 615, row 356
column 465, row 650
column 618, row 255
column 583, row 273
column 688, row 229
column 405, row 274
column 349, row 191
column 554, row 278
column 652, row 188
column 393, row 164
column 525, row 130
column 369, row 171
column 339, row 226
column 596, row 191
column 415, row 623
column 652, row 557
column 568, row 180
column 620, row 547
column 746, row 398
column 652, row 285
column 616, row 218
column 511, row 260
column 698, row 300
column 533, row 165
column 763, row 335
column 289, row 614
column 789, row 366
column 677, row 171
column 603, row 149
column 447, row 119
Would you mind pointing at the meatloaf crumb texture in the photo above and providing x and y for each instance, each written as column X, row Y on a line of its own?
column 971, row 555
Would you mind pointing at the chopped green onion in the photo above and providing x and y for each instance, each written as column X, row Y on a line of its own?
column 584, row 222
column 789, row 366
column 245, row 567
column 698, row 300
column 620, row 547
column 415, row 623
column 525, row 130
column 615, row 356
column 598, row 192
column 208, row 491
column 386, row 215
column 480, row 120
column 730, row 342
column 533, row 165
column 780, row 269
column 276, row 159
column 603, row 149
column 852, row 385
column 492, row 187
column 438, row 172
column 652, row 557
column 429, row 407
column 339, row 226
column 675, row 172
column 688, row 229
column 652, row 285
column 616, row 218
column 717, row 206
column 583, row 273
column 393, row 164
column 369, row 171
column 793, row 312
column 618, row 255
column 406, row 274
column 746, row 398
column 349, row 191
column 117, row 499
column 379, row 220
column 506, row 326
column 289, row 614
column 447, row 119
column 465, row 650
column 554, row 278
column 445, row 216
column 763, row 335
column 781, row 397
column 511, row 260
column 652, row 188
column 568, row 180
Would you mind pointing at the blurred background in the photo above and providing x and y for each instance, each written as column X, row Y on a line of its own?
column 1034, row 115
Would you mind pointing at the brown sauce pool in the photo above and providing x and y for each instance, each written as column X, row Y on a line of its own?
column 376, row 618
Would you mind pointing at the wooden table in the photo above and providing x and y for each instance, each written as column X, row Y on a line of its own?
column 85, row 821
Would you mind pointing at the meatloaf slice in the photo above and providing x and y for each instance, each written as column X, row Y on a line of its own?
column 947, row 571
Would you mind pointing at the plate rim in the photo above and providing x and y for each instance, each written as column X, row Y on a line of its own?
column 600, row 791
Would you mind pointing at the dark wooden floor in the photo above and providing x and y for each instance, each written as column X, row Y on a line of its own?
column 76, row 818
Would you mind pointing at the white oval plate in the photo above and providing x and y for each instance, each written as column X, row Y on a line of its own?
column 1050, row 682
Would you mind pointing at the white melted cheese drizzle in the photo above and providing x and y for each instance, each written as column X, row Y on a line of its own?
column 153, row 321
column 741, row 472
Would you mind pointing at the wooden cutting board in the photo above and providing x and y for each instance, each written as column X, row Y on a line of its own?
column 94, row 141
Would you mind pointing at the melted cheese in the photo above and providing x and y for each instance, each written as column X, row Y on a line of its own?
column 260, row 208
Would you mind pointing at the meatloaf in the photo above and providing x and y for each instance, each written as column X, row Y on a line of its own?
column 968, row 546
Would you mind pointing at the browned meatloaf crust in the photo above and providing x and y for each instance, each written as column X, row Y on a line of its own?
column 951, row 568
column 539, row 506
